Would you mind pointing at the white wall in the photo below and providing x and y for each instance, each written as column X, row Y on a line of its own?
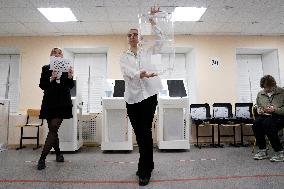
column 191, row 76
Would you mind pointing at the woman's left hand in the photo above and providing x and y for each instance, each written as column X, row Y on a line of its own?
column 70, row 73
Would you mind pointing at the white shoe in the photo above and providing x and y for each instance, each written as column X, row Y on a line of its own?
column 261, row 154
column 278, row 156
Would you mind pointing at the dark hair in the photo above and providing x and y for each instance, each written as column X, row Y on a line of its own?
column 53, row 50
column 267, row 81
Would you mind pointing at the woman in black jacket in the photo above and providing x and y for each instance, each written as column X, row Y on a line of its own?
column 56, row 106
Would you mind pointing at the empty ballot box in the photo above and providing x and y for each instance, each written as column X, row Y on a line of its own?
column 156, row 49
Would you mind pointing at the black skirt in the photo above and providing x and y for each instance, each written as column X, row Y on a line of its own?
column 63, row 113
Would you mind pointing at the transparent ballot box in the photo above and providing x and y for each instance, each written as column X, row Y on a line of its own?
column 156, row 49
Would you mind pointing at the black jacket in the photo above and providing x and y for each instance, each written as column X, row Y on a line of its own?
column 56, row 95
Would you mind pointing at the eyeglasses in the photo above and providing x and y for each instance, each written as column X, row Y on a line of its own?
column 134, row 35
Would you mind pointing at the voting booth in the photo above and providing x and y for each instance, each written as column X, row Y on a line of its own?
column 173, row 116
column 116, row 127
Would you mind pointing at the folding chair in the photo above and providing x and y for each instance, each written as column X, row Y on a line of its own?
column 222, row 115
column 200, row 114
column 32, row 121
column 244, row 115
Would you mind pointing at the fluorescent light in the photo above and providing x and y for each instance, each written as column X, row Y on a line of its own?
column 58, row 14
column 188, row 13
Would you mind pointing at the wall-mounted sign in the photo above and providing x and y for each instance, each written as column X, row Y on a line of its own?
column 215, row 63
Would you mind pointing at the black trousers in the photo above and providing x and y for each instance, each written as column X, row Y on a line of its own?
column 141, row 117
column 269, row 126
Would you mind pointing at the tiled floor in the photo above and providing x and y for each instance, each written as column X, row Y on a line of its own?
column 204, row 168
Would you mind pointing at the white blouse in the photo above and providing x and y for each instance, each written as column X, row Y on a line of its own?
column 137, row 89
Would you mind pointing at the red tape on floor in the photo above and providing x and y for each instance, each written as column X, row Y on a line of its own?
column 135, row 181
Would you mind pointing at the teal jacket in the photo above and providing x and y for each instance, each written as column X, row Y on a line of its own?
column 277, row 100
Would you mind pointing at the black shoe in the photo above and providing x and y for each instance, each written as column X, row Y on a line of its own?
column 137, row 172
column 41, row 164
column 59, row 158
column 144, row 181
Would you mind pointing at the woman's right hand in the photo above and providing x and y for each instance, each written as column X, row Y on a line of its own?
column 154, row 10
column 53, row 75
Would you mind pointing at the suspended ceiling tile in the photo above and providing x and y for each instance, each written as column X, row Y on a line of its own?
column 122, row 3
column 123, row 27
column 205, row 27
column 122, row 14
column 98, row 28
column 255, row 28
column 278, row 29
column 15, row 3
column 67, row 3
column 90, row 14
column 248, row 15
column 27, row 15
column 218, row 14
column 14, row 28
column 41, row 27
column 260, row 4
column 183, row 27
column 231, row 28
column 226, row 3
column 5, row 16
column 69, row 27
column 176, row 3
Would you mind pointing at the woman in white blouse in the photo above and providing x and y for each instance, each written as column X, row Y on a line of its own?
column 141, row 89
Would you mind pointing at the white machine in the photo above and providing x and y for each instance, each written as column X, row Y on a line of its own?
column 70, row 131
column 116, row 127
column 173, row 118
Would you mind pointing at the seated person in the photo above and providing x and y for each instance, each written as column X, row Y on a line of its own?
column 270, row 107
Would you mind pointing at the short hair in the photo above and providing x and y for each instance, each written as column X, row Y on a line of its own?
column 53, row 50
column 267, row 81
column 132, row 29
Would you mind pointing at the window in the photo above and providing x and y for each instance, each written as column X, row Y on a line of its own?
column 10, row 80
column 90, row 72
column 252, row 64
column 179, row 71
column 249, row 72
